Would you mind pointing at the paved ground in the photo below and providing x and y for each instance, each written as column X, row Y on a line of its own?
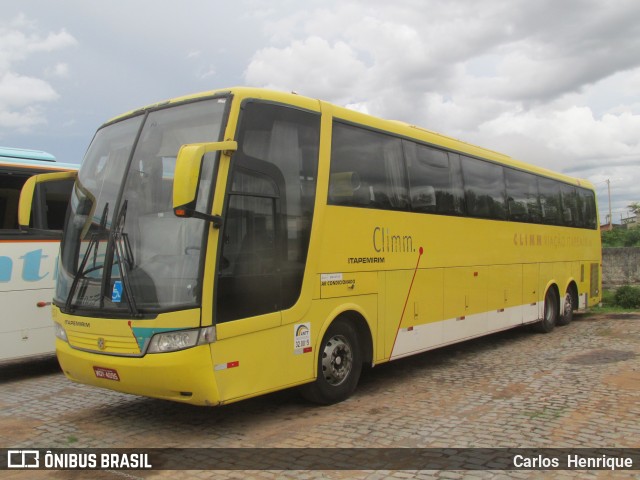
column 576, row 387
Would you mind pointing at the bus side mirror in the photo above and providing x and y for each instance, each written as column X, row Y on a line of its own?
column 38, row 197
column 187, row 177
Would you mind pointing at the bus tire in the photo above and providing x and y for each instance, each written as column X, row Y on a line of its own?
column 567, row 311
column 339, row 365
column 550, row 316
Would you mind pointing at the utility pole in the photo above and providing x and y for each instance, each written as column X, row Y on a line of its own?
column 610, row 215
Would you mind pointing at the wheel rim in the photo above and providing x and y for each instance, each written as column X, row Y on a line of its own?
column 337, row 360
column 568, row 306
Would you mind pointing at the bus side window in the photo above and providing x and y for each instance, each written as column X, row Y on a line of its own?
column 484, row 189
column 522, row 194
column 50, row 204
column 56, row 202
column 10, row 186
column 435, row 180
column 588, row 210
column 550, row 201
column 569, row 205
column 376, row 161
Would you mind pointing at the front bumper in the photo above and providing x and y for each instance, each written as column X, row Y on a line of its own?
column 185, row 376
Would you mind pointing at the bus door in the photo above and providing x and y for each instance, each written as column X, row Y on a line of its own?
column 269, row 209
column 264, row 241
column 265, row 228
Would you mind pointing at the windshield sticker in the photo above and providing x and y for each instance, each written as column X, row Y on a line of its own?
column 116, row 294
column 302, row 338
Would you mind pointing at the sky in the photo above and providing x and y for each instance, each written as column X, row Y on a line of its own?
column 554, row 83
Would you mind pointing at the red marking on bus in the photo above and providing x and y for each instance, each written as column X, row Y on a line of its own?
column 134, row 335
column 307, row 349
column 415, row 271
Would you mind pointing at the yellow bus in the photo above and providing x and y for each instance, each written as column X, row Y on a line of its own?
column 237, row 242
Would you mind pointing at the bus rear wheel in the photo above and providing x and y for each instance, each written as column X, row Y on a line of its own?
column 567, row 311
column 339, row 365
column 550, row 317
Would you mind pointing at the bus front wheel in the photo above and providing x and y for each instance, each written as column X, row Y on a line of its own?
column 339, row 365
column 550, row 317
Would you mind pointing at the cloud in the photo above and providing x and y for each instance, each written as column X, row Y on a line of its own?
column 20, row 91
column 553, row 83
column 17, row 45
column 573, row 132
column 312, row 65
column 19, row 99
column 60, row 70
column 21, row 95
column 531, row 52
column 206, row 72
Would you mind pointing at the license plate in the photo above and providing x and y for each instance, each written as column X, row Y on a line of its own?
column 107, row 373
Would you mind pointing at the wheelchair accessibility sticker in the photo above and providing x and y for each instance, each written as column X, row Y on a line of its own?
column 116, row 294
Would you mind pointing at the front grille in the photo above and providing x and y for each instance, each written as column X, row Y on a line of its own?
column 108, row 344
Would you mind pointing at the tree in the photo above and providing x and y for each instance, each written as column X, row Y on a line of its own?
column 634, row 207
column 621, row 237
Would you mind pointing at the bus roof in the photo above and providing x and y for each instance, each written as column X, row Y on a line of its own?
column 392, row 126
column 21, row 153
column 20, row 157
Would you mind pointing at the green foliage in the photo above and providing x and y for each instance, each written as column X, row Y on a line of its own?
column 610, row 303
column 628, row 297
column 608, row 298
column 621, row 237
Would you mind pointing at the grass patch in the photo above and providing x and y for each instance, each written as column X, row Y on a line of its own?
column 609, row 305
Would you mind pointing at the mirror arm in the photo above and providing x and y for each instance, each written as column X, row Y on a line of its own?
column 216, row 220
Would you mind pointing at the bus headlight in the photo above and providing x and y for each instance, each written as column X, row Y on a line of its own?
column 60, row 332
column 181, row 339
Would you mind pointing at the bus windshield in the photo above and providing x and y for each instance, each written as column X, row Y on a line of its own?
column 124, row 249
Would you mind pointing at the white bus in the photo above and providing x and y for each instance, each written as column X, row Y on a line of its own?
column 28, row 259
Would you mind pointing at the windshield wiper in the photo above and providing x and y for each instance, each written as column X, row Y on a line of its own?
column 123, row 253
column 94, row 241
column 124, row 256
